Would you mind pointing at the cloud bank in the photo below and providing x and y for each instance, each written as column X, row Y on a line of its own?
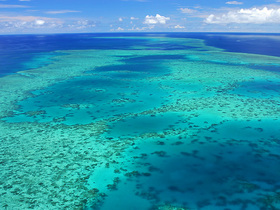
column 254, row 15
column 23, row 19
column 24, row 24
column 149, row 19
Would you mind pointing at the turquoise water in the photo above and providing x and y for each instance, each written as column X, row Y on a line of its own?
column 83, row 100
column 145, row 124
column 149, row 123
column 256, row 88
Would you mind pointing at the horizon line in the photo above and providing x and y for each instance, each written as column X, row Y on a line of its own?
column 141, row 32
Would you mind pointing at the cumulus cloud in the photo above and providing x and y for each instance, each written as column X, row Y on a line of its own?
column 134, row 18
column 254, row 15
column 187, row 10
column 61, row 11
column 178, row 26
column 120, row 19
column 149, row 19
column 234, row 2
column 39, row 22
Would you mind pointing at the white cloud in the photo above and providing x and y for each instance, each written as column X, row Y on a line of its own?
column 35, row 24
column 178, row 26
column 40, row 22
column 12, row 6
column 134, row 18
column 187, row 10
column 61, row 11
column 24, row 0
column 82, row 24
column 28, row 24
column 24, row 18
column 254, row 15
column 234, row 2
column 120, row 19
column 142, row 28
column 149, row 19
column 120, row 29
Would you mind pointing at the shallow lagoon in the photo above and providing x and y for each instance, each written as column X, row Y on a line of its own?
column 156, row 123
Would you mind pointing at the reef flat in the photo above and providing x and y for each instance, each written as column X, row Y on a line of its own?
column 166, row 123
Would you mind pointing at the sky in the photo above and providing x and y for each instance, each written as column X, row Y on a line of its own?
column 90, row 16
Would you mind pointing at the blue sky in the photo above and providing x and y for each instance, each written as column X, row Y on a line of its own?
column 74, row 16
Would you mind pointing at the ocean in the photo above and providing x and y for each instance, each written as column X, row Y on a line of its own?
column 132, row 121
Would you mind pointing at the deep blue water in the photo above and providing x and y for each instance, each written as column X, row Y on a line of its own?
column 255, row 43
column 16, row 51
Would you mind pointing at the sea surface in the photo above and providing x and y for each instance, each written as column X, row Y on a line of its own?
column 136, row 121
